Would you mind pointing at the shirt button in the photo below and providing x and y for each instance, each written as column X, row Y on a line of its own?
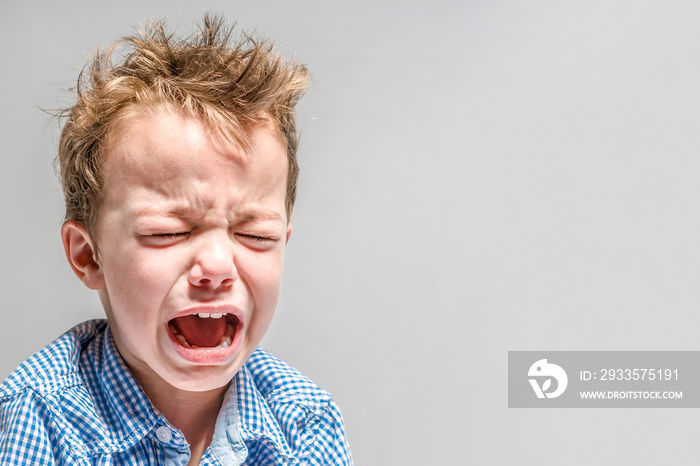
column 164, row 434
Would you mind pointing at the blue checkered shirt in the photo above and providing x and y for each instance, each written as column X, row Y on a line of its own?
column 76, row 403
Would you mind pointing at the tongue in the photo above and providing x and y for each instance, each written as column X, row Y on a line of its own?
column 199, row 331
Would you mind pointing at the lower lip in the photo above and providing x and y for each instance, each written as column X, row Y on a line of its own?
column 207, row 356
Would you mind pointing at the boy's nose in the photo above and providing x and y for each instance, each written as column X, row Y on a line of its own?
column 214, row 262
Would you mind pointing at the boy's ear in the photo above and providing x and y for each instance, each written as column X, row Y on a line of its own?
column 289, row 232
column 81, row 254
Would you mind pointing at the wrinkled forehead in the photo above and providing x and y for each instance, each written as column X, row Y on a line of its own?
column 227, row 132
column 169, row 149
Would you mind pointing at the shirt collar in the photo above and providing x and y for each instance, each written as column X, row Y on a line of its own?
column 256, row 421
column 133, row 414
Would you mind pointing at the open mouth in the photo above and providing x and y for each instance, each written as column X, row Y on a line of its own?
column 204, row 330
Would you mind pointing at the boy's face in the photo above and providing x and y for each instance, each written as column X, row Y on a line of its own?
column 190, row 225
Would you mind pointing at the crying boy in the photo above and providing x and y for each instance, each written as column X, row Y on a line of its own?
column 179, row 170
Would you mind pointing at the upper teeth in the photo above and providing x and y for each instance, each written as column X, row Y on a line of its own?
column 213, row 315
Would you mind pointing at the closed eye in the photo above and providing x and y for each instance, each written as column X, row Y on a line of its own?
column 171, row 235
column 254, row 237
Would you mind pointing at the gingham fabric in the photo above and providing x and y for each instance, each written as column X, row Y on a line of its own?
column 76, row 403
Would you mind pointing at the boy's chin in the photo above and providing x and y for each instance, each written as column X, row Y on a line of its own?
column 201, row 381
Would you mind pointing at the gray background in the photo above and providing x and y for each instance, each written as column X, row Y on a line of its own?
column 477, row 177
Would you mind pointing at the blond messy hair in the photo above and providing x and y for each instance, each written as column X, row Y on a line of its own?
column 230, row 83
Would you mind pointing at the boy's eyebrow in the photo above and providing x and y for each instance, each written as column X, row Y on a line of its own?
column 176, row 211
column 251, row 215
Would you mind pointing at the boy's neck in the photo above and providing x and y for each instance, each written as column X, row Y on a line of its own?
column 194, row 413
